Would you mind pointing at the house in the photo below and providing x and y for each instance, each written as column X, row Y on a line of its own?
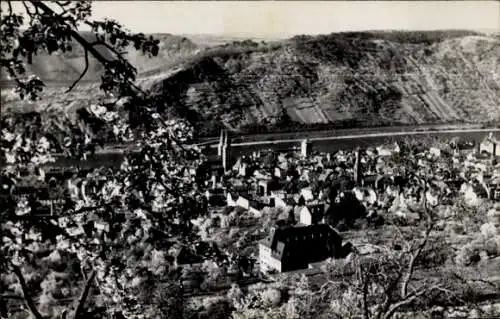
column 311, row 214
column 495, row 192
column 370, row 180
column 277, row 172
column 383, row 181
column 365, row 195
column 293, row 248
column 217, row 196
column 472, row 192
column 250, row 205
column 278, row 199
column 493, row 185
column 243, row 202
column 240, row 167
column 255, row 207
column 401, row 208
column 211, row 167
column 268, row 185
column 231, row 199
column 44, row 198
column 263, row 187
column 243, row 167
column 436, row 152
column 307, row 194
column 304, row 174
column 462, row 145
column 490, row 146
column 186, row 256
column 279, row 193
column 388, row 151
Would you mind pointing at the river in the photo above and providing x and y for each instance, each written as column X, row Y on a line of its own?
column 321, row 144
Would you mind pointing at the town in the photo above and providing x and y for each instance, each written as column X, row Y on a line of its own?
column 283, row 212
column 332, row 164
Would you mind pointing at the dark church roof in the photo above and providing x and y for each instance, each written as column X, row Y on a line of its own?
column 300, row 239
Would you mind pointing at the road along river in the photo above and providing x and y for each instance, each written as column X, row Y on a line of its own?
column 322, row 144
column 333, row 143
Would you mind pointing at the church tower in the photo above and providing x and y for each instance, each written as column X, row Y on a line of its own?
column 226, row 152
column 305, row 148
column 221, row 143
column 357, row 168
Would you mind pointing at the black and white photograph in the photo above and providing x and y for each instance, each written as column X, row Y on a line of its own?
column 249, row 159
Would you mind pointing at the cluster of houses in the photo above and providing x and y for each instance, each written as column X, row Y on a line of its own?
column 301, row 184
column 311, row 188
column 44, row 194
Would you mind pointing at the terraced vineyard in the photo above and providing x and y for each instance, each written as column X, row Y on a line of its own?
column 368, row 78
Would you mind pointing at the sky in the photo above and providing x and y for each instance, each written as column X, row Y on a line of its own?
column 285, row 18
column 269, row 19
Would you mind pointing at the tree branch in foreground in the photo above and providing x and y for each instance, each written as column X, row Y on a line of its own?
column 414, row 257
column 29, row 301
column 408, row 299
column 84, row 295
column 83, row 72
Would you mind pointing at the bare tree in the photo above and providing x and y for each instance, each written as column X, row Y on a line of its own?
column 396, row 278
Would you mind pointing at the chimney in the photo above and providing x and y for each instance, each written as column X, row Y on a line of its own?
column 357, row 169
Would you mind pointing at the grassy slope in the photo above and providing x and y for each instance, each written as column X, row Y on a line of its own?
column 369, row 78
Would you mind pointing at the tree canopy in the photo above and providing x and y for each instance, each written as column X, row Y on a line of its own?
column 104, row 250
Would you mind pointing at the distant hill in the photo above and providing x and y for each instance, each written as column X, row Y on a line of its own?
column 66, row 67
column 209, row 40
column 353, row 79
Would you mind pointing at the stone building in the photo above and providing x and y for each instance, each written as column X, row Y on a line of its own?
column 293, row 248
